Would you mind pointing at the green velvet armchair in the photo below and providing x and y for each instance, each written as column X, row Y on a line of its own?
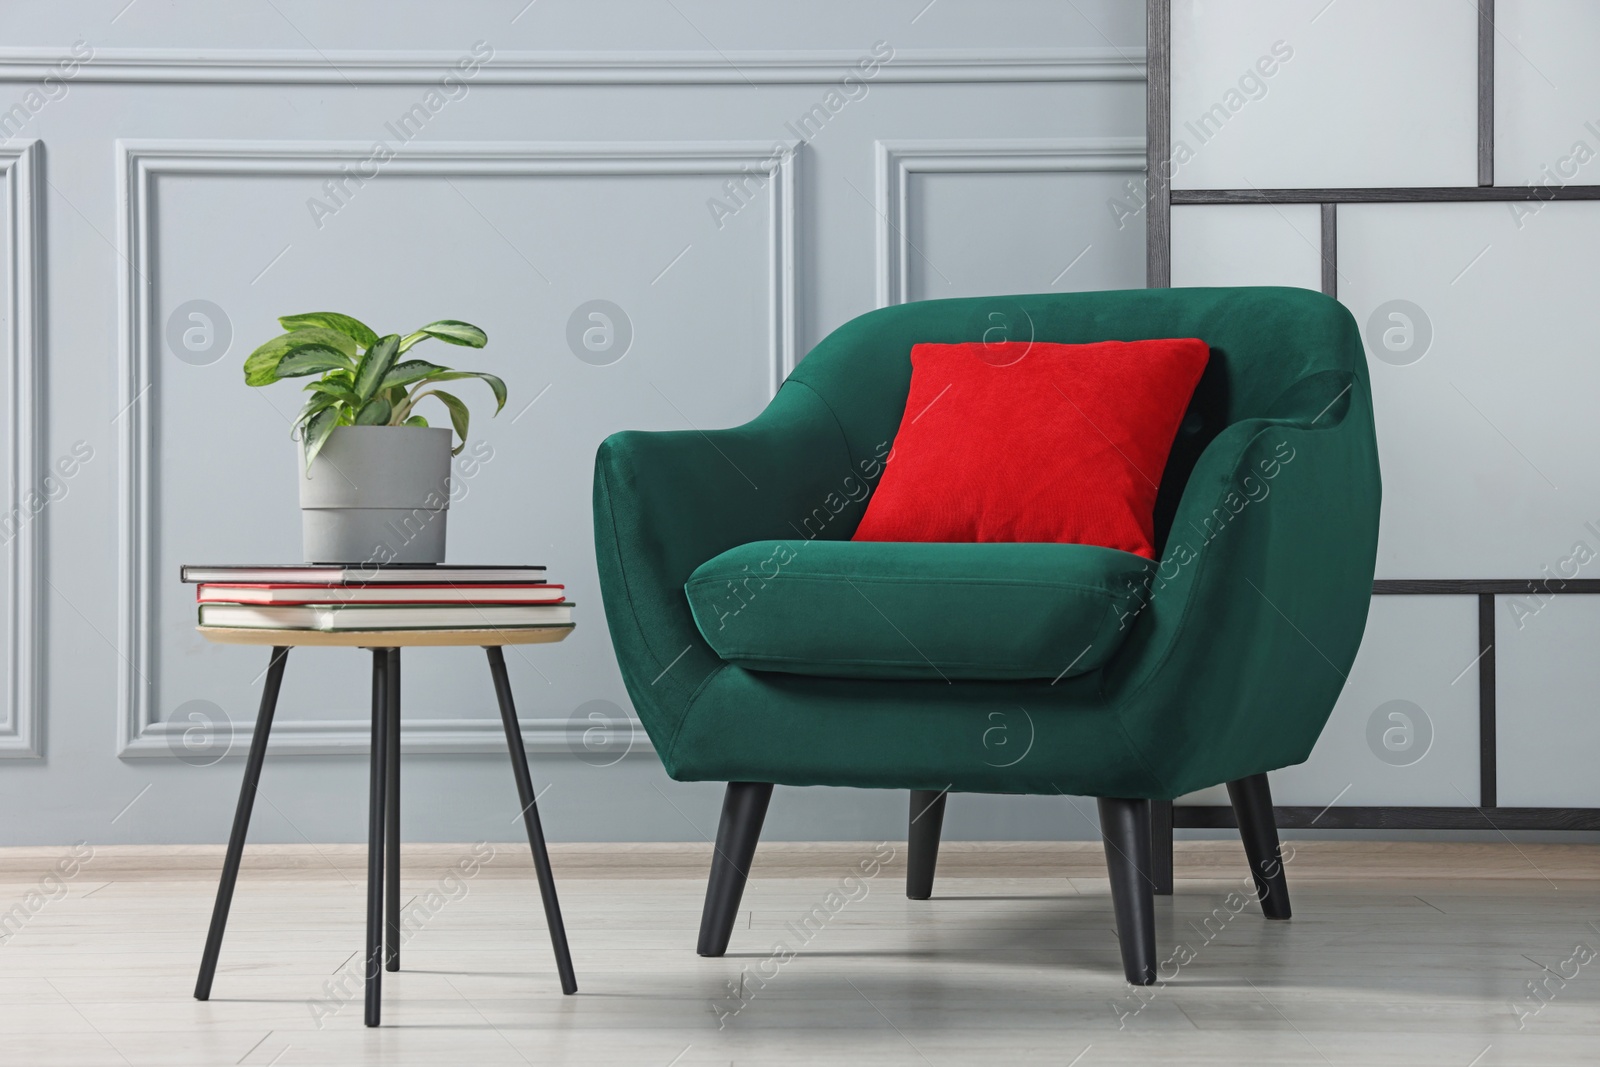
column 731, row 586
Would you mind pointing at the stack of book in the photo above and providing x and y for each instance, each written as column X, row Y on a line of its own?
column 392, row 597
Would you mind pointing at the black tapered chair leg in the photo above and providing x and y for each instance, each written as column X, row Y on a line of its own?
column 922, row 841
column 744, row 809
column 391, row 818
column 1161, row 846
column 530, row 820
column 375, row 812
column 1125, row 827
column 241, row 822
column 1252, row 808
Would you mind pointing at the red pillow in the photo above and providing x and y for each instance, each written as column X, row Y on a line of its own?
column 1028, row 441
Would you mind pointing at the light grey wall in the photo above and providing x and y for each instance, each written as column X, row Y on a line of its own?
column 165, row 153
column 1486, row 430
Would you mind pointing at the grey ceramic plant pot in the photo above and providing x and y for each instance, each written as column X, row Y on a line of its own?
column 377, row 494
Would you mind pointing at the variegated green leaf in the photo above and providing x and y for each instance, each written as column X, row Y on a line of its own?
column 459, row 416
column 336, row 390
column 374, row 412
column 310, row 359
column 260, row 367
column 495, row 384
column 355, row 329
column 317, row 403
column 412, row 370
column 317, row 430
column 450, row 330
column 375, row 364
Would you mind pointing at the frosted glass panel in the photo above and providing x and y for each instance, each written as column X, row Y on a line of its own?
column 1247, row 244
column 1548, row 674
column 1312, row 94
column 1547, row 85
column 1479, row 336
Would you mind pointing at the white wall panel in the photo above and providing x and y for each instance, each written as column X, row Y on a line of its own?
column 550, row 230
column 1361, row 92
column 16, row 514
column 1548, row 675
column 1546, row 93
column 1247, row 244
column 981, row 218
column 979, row 235
column 27, row 492
column 1487, row 440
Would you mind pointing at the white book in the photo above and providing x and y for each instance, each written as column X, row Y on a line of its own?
column 383, row 617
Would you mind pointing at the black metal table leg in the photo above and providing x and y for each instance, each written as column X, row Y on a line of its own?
column 391, row 819
column 241, row 822
column 375, row 812
column 530, row 817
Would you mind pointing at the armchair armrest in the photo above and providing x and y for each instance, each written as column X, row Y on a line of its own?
column 1256, row 611
column 665, row 502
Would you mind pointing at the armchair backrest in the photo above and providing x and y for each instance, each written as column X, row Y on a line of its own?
column 1264, row 340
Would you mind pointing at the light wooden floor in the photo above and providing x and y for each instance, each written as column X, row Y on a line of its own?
column 1398, row 953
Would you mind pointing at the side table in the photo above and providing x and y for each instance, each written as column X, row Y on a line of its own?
column 383, row 834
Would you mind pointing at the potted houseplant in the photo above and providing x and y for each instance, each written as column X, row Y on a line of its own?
column 375, row 481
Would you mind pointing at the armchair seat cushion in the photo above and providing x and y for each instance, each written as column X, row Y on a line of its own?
column 863, row 609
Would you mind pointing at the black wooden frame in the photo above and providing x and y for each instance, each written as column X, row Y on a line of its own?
column 1160, row 198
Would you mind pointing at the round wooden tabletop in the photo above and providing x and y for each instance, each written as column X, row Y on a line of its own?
column 531, row 635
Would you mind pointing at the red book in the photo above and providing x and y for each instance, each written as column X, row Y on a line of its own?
column 419, row 593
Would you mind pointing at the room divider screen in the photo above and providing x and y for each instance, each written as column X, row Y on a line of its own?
column 1161, row 197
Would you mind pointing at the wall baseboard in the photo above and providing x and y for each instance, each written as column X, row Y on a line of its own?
column 1330, row 861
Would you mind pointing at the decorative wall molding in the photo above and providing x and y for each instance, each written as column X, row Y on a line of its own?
column 22, row 728
column 140, row 162
column 896, row 161
column 383, row 67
